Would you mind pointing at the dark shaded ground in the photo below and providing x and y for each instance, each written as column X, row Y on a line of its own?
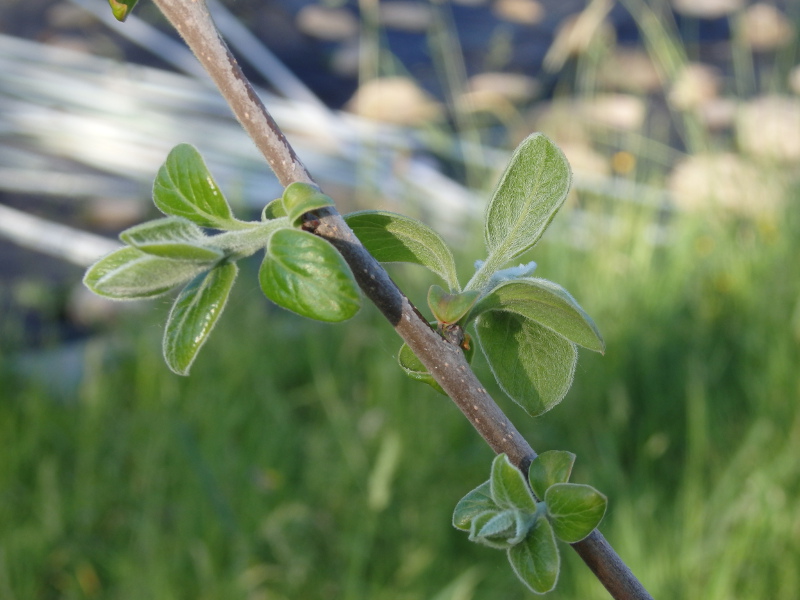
column 60, row 22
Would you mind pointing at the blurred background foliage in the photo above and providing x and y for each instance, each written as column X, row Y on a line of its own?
column 298, row 462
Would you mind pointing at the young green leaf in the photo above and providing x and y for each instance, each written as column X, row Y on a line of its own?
column 551, row 467
column 121, row 8
column 530, row 192
column 273, row 210
column 390, row 237
column 533, row 365
column 172, row 237
column 546, row 303
column 535, row 560
column 414, row 368
column 574, row 510
column 194, row 314
column 185, row 188
column 449, row 308
column 474, row 503
column 300, row 198
column 508, row 486
column 305, row 274
column 493, row 528
column 130, row 274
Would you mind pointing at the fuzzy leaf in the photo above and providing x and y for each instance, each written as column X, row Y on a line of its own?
column 535, row 560
column 493, row 528
column 533, row 365
column 305, row 274
column 194, row 314
column 530, row 192
column 390, row 237
column 173, row 237
column 574, row 510
column 414, row 368
column 130, row 274
column 474, row 503
column 546, row 303
column 300, row 198
column 508, row 486
column 185, row 188
column 551, row 467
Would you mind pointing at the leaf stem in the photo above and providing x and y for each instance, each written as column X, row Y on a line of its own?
column 443, row 360
column 243, row 242
column 484, row 273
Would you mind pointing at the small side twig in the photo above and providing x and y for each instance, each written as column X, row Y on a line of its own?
column 443, row 360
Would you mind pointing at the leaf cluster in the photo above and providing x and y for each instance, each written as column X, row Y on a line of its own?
column 300, row 271
column 506, row 514
column 528, row 328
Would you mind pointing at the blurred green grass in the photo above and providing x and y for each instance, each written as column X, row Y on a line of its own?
column 297, row 462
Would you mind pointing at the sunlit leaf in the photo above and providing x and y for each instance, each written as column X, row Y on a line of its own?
column 528, row 195
column 533, row 365
column 130, row 274
column 173, row 237
column 390, row 237
column 184, row 188
column 574, row 510
column 535, row 560
column 546, row 303
column 194, row 314
column 305, row 274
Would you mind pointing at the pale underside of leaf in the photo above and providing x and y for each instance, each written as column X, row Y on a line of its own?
column 130, row 274
column 528, row 195
column 172, row 237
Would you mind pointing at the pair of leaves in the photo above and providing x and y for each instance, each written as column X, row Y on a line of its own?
column 169, row 252
column 527, row 327
column 300, row 271
column 503, row 513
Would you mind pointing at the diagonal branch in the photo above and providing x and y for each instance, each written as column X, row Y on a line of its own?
column 443, row 360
